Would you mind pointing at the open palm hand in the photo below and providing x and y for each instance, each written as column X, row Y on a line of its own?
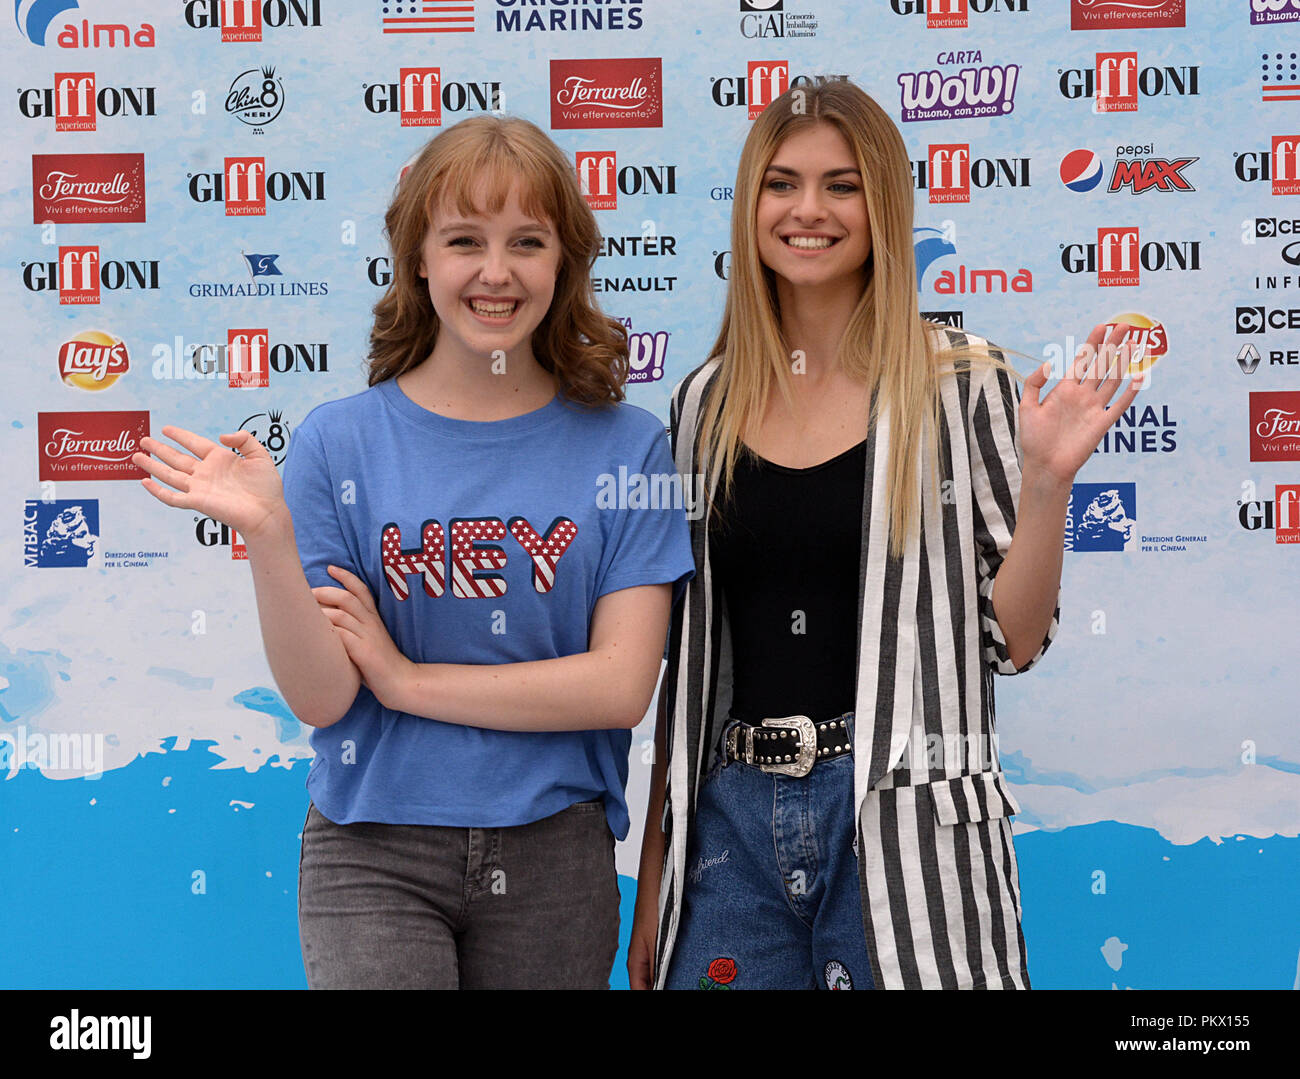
column 1059, row 432
column 241, row 489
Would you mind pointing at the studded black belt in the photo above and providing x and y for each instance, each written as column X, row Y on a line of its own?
column 790, row 745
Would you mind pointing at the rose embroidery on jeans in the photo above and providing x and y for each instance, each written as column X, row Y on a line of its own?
column 722, row 972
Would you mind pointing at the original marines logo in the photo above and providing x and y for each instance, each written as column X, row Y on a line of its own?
column 837, row 975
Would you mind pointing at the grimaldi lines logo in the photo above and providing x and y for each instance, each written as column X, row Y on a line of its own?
column 81, row 188
column 245, row 20
column 90, row 445
column 421, row 95
column 76, row 101
column 959, row 87
column 607, row 93
column 1126, row 14
column 79, row 275
column 245, row 186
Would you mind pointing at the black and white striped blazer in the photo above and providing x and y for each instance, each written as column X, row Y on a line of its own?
column 940, row 889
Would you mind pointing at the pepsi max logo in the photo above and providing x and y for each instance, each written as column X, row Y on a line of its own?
column 1081, row 170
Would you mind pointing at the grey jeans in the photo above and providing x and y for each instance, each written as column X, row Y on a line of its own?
column 397, row 906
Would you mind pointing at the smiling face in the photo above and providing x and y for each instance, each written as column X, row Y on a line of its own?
column 811, row 221
column 491, row 277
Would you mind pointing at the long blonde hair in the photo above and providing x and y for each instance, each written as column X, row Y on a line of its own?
column 754, row 354
column 473, row 166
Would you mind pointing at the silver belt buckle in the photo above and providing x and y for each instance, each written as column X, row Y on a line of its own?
column 803, row 761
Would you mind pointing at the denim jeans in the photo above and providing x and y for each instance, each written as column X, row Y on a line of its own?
column 772, row 899
column 398, row 906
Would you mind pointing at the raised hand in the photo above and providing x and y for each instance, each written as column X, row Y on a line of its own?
column 1059, row 432
column 241, row 488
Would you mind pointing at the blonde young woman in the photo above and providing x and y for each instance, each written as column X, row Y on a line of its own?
column 827, row 806
column 443, row 597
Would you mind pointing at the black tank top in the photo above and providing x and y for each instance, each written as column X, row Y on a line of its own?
column 786, row 552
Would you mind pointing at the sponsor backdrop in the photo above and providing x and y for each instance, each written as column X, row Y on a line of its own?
column 193, row 200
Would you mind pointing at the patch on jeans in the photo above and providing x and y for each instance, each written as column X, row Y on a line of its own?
column 722, row 972
column 837, row 975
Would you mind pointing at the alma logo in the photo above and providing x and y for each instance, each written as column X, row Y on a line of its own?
column 77, row 188
column 93, row 360
column 607, row 93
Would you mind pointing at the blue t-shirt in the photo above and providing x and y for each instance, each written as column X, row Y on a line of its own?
column 481, row 543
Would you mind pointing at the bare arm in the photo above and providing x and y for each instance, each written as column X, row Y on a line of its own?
column 608, row 686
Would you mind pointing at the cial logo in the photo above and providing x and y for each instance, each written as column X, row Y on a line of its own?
column 76, row 101
column 765, row 19
column 93, row 360
column 79, row 275
column 1116, row 82
column 245, row 186
column 90, row 445
column 540, row 16
column 971, row 91
column 1275, row 425
column 606, row 93
column 1101, row 517
column 85, row 188
column 256, row 98
column 246, row 20
column 63, row 532
column 1126, row 14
